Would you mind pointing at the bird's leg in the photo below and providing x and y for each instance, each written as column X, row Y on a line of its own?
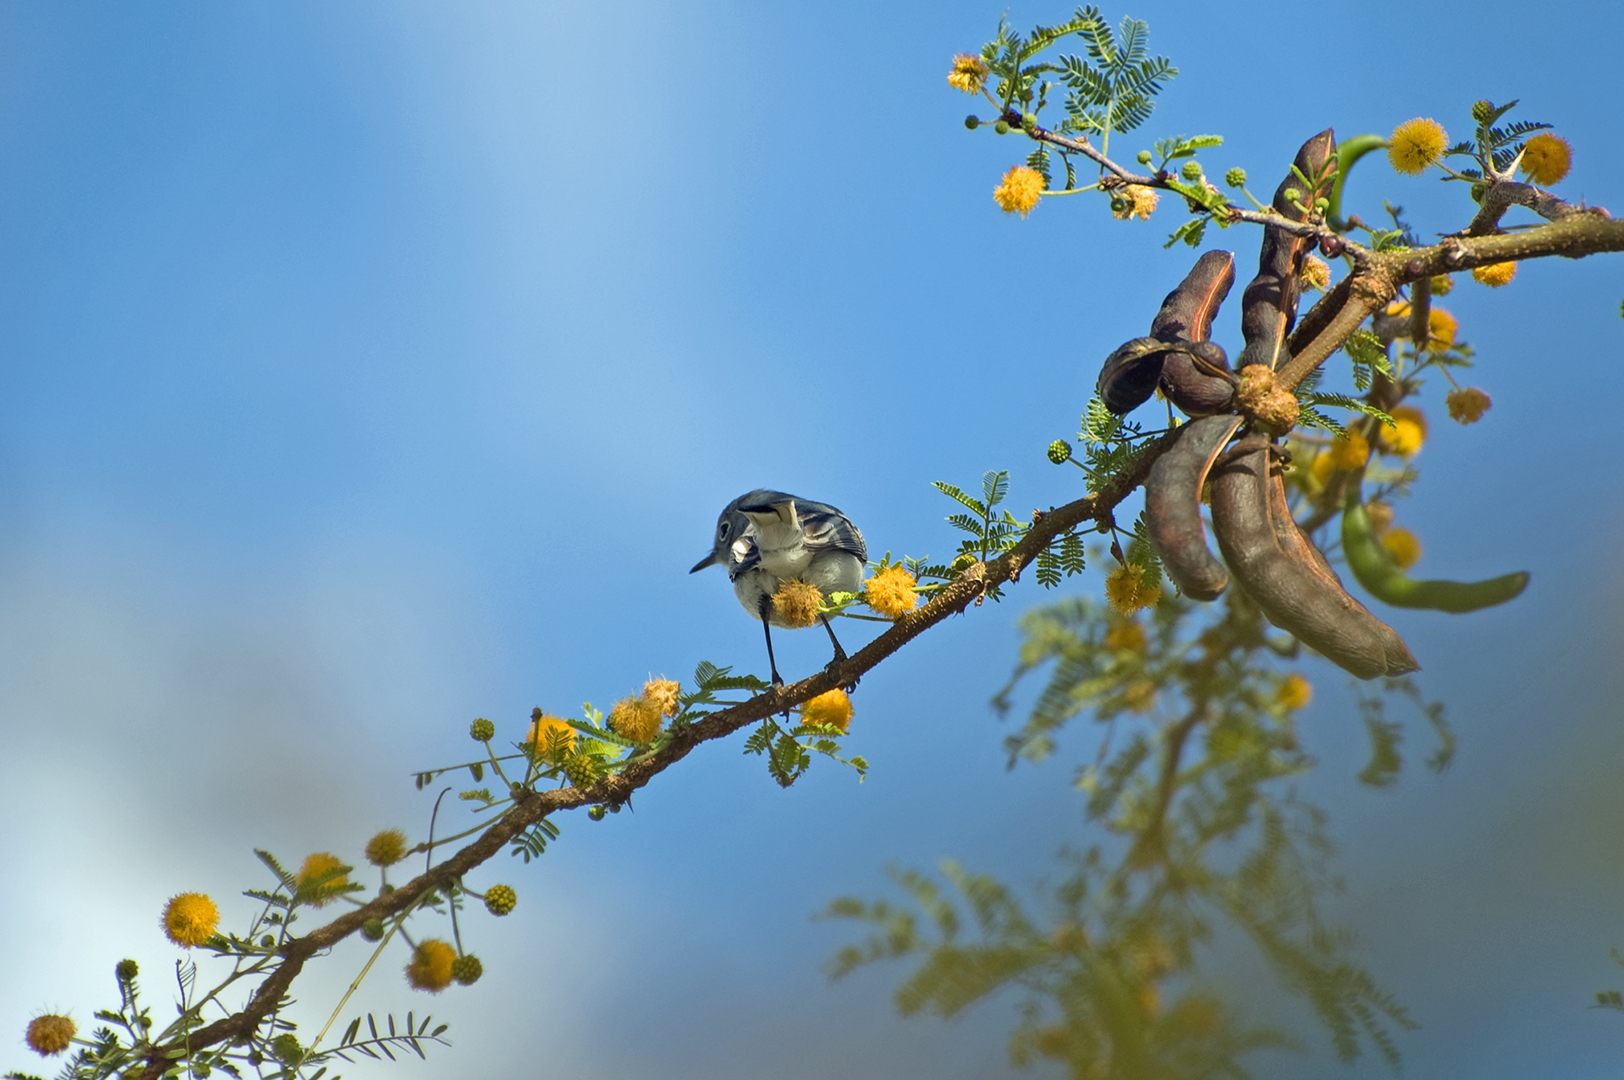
column 840, row 654
column 766, row 628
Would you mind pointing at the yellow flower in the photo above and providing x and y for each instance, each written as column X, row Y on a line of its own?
column 662, row 694
column 636, row 719
column 1467, row 406
column 189, row 919
column 430, row 967
column 1020, row 191
column 891, row 592
column 50, row 1034
column 386, row 848
column 1349, row 451
column 320, row 895
column 1315, row 273
column 796, row 603
column 1134, row 201
column 1415, row 144
column 1125, row 636
column 1398, row 307
column 1403, row 546
column 1127, row 591
column 1442, row 327
column 1411, row 431
column 1294, row 692
column 1546, row 158
column 969, row 73
column 1495, row 275
column 1139, row 696
column 545, row 731
column 1441, row 284
column 832, row 707
column 1321, row 467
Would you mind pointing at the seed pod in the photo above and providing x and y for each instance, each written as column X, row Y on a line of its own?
column 1373, row 567
column 1197, row 380
column 1269, row 304
column 1282, row 572
column 1130, row 374
column 1173, row 507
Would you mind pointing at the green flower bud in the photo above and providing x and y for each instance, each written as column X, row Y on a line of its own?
column 1118, row 205
column 286, row 1049
column 1292, row 194
column 1029, row 121
column 1002, row 127
column 1060, row 451
column 1191, row 171
column 972, row 122
column 127, row 970
column 1143, row 157
column 267, row 940
column 482, row 730
column 500, row 899
column 1235, row 177
column 467, row 970
column 596, row 813
column 1322, row 204
column 372, row 930
column 1477, row 192
column 1482, row 110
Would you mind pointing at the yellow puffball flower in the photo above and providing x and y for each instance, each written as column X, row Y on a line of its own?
column 969, row 73
column 1546, row 158
column 636, row 719
column 1442, row 284
column 1139, row 696
column 1137, row 201
column 1020, row 190
column 1349, row 451
column 386, row 848
column 1315, row 273
column 1442, row 327
column 1125, row 636
column 1127, row 591
column 832, row 708
column 545, row 729
column 1294, row 692
column 1415, row 144
column 314, row 867
column 1495, row 275
column 1467, row 406
column 50, row 1034
column 1321, row 467
column 891, row 592
column 662, row 695
column 1398, row 308
column 1403, row 545
column 796, row 603
column 1409, row 433
column 189, row 919
column 430, row 966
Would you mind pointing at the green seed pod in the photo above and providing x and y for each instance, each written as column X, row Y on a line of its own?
column 1191, row 171
column 467, row 969
column 500, row 899
column 1060, row 451
column 1143, row 157
column 372, row 930
column 482, row 730
column 596, row 813
column 1374, row 568
column 1002, row 127
column 1235, row 177
column 972, row 122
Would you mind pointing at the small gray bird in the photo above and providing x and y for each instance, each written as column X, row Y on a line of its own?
column 766, row 536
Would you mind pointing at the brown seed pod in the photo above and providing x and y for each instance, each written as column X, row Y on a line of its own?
column 1269, row 304
column 1282, row 571
column 1179, row 355
column 1173, row 507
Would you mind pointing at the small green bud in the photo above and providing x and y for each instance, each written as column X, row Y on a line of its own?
column 127, row 970
column 286, row 1049
column 1060, row 451
column 1118, row 205
column 500, row 899
column 1029, row 121
column 267, row 940
column 1191, row 171
column 482, row 730
column 467, row 970
column 1322, row 204
column 972, row 121
column 1002, row 127
column 1477, row 192
column 255, row 1058
column 1235, row 177
column 1292, row 194
column 372, row 930
column 1143, row 157
column 1482, row 110
column 596, row 813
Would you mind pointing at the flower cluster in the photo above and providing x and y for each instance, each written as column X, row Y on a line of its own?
column 189, row 919
column 891, row 592
column 1467, row 406
column 1020, row 190
column 1134, row 201
column 1127, row 590
column 969, row 73
column 312, row 884
column 640, row 718
column 831, row 708
column 1546, row 158
column 796, row 603
column 1415, row 144
column 1495, row 275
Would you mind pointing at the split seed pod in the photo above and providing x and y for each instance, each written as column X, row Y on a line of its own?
column 1179, row 355
column 1173, row 507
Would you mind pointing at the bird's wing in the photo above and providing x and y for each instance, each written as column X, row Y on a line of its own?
column 742, row 554
column 827, row 529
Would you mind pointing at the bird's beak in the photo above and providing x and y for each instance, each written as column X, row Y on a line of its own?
column 708, row 560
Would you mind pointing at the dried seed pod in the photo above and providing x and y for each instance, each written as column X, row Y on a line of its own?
column 1173, row 507
column 1179, row 355
column 1131, row 373
column 1269, row 304
column 1282, row 572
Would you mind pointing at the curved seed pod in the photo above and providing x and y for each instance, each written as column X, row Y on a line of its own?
column 1197, row 379
column 1269, row 304
column 1130, row 374
column 1173, row 507
column 1293, row 589
column 1348, row 152
column 1374, row 568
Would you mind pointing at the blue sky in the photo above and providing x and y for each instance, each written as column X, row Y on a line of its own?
column 368, row 368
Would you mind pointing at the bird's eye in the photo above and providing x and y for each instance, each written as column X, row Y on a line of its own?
column 723, row 529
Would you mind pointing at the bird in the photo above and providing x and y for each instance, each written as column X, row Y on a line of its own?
column 764, row 537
